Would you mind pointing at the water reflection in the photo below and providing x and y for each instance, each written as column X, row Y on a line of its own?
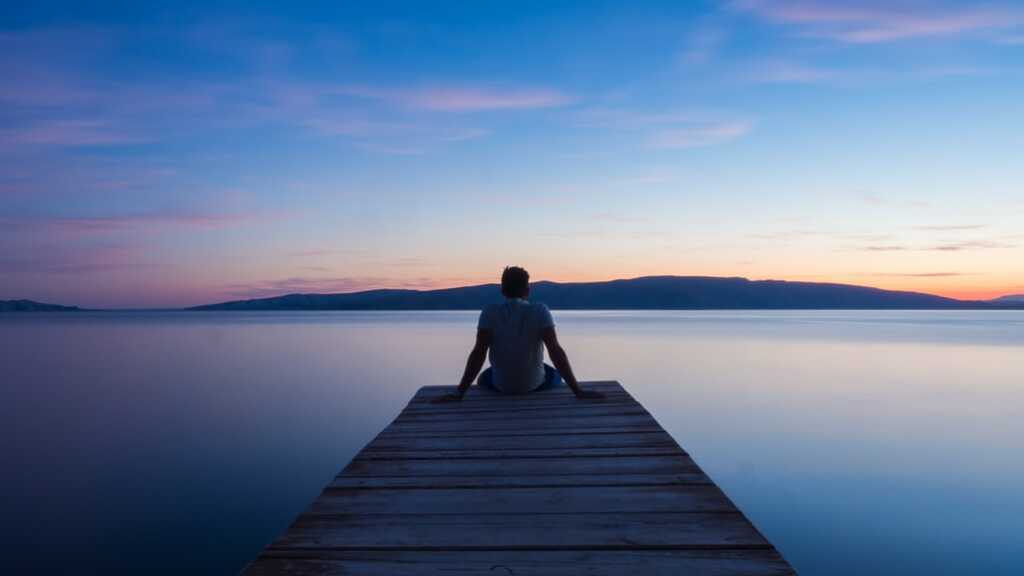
column 858, row 442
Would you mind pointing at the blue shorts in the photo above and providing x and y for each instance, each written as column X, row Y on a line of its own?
column 552, row 379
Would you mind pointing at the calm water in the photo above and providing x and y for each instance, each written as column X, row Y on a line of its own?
column 858, row 442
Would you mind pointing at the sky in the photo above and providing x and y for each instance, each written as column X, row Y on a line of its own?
column 171, row 155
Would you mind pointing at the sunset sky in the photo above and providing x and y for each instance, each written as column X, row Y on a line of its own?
column 168, row 156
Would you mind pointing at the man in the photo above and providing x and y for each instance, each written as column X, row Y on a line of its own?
column 516, row 332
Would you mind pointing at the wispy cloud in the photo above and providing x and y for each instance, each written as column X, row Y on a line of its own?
column 60, row 93
column 970, row 245
column 324, row 285
column 874, row 199
column 868, row 237
column 921, row 274
column 884, row 248
column 410, row 138
column 408, row 262
column 668, row 130
column 950, row 227
column 790, row 71
column 698, row 135
column 958, row 71
column 462, row 98
column 623, row 119
column 640, row 180
column 618, row 218
column 883, row 21
column 778, row 71
column 75, row 260
column 945, row 247
column 28, row 83
column 324, row 252
column 702, row 44
column 68, row 133
column 108, row 224
column 787, row 234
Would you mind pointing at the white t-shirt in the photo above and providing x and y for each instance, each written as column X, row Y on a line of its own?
column 517, row 348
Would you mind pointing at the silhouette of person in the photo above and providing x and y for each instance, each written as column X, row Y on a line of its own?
column 516, row 332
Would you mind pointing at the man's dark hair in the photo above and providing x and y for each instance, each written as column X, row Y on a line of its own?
column 515, row 282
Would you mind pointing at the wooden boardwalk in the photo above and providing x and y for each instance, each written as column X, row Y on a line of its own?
column 536, row 484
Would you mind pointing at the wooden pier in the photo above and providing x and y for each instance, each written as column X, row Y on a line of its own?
column 525, row 485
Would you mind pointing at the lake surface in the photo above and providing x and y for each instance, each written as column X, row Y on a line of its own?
column 858, row 442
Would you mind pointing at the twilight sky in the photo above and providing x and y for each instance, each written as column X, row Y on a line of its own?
column 165, row 156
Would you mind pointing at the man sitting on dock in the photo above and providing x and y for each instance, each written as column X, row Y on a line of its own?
column 516, row 332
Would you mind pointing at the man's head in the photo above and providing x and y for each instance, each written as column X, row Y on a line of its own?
column 515, row 282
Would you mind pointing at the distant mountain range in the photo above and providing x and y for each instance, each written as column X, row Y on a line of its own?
column 31, row 306
column 1011, row 299
column 646, row 293
column 651, row 292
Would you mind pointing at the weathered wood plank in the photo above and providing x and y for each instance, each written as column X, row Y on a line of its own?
column 531, row 531
column 549, row 500
column 590, row 409
column 646, row 479
column 568, row 408
column 550, row 441
column 518, row 403
column 525, row 453
column 534, row 563
column 499, row 424
column 519, row 467
column 425, row 393
column 477, row 398
column 428, row 432
column 549, row 396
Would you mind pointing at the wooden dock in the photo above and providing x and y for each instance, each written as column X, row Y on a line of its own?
column 536, row 484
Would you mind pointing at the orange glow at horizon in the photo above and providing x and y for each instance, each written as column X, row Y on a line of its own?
column 922, row 285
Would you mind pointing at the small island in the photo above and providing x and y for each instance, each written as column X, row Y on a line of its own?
column 33, row 306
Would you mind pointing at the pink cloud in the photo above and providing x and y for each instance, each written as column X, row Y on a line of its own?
column 38, row 66
column 145, row 220
column 68, row 133
column 325, row 285
column 788, row 72
column 469, row 99
column 347, row 125
column 63, row 96
column 388, row 137
column 108, row 224
column 321, row 252
column 873, row 22
column 38, row 87
column 73, row 260
column 463, row 99
column 953, row 71
column 668, row 130
column 701, row 45
column 619, row 119
column 698, row 135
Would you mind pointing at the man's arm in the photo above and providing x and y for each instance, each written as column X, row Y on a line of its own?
column 473, row 365
column 561, row 361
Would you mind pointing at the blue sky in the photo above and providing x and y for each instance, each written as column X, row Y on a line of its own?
column 161, row 155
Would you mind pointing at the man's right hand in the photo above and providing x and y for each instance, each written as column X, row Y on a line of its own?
column 452, row 397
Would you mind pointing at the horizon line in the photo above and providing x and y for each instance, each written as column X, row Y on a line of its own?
column 1007, row 293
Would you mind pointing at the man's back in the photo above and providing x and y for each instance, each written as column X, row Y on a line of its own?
column 516, row 333
column 517, row 351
